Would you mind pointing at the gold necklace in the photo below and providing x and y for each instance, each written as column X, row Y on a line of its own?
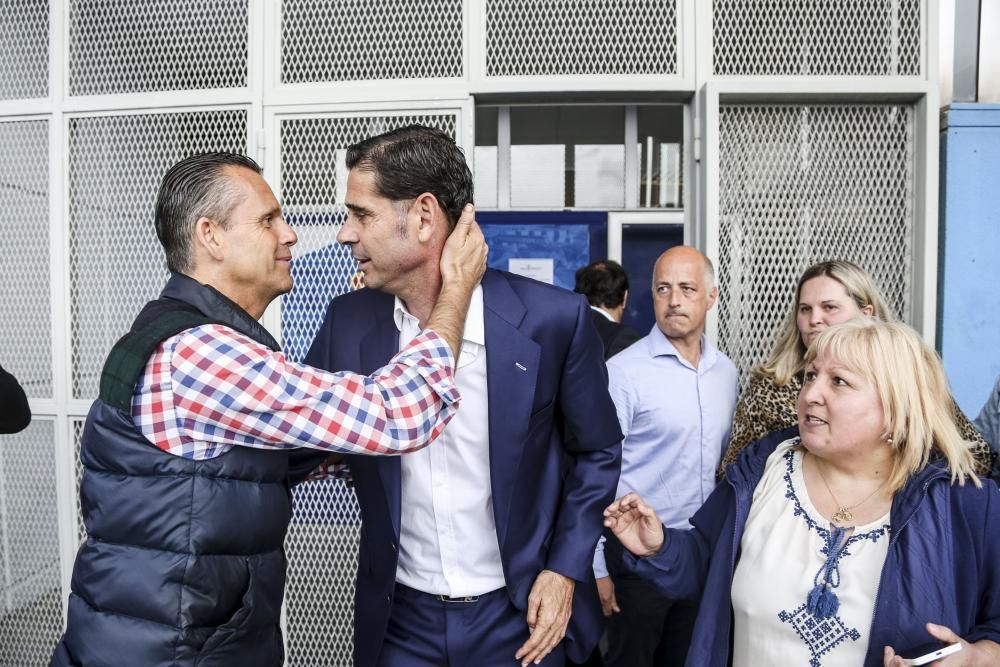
column 843, row 513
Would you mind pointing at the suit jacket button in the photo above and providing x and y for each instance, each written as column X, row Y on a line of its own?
column 393, row 545
column 388, row 599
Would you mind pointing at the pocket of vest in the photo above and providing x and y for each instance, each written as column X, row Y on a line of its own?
column 236, row 626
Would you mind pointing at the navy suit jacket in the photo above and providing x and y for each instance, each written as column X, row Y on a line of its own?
column 555, row 446
column 616, row 337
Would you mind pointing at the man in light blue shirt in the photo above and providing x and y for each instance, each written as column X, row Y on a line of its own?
column 675, row 394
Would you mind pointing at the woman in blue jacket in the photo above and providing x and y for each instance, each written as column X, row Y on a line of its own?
column 848, row 539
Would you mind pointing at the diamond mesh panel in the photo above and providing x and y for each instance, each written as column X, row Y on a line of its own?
column 81, row 530
column 26, row 334
column 802, row 184
column 30, row 593
column 24, row 49
column 816, row 37
column 116, row 262
column 132, row 46
column 557, row 37
column 363, row 40
column 322, row 541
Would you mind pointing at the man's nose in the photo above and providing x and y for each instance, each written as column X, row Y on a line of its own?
column 287, row 235
column 346, row 235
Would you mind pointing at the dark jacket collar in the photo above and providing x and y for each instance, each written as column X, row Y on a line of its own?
column 212, row 303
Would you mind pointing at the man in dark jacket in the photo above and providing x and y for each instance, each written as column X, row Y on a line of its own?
column 189, row 452
column 477, row 553
column 15, row 415
column 605, row 284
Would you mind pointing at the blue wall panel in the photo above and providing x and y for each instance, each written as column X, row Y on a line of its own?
column 969, row 298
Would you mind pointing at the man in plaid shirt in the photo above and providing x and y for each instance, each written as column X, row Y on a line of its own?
column 190, row 450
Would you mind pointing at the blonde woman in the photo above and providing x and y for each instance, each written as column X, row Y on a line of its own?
column 865, row 536
column 828, row 293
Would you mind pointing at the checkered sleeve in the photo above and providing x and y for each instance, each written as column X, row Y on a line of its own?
column 229, row 390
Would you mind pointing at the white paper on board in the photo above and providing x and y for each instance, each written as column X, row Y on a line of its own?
column 542, row 269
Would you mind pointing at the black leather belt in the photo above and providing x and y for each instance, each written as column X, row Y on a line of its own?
column 464, row 598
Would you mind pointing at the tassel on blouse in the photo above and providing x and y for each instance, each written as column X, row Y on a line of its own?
column 822, row 601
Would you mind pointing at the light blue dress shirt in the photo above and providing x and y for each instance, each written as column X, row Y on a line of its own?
column 676, row 420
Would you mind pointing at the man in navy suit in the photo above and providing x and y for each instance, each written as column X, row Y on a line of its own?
column 479, row 553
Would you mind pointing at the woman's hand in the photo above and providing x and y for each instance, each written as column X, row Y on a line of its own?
column 983, row 652
column 635, row 524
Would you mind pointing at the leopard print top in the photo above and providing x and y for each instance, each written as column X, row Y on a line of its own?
column 765, row 407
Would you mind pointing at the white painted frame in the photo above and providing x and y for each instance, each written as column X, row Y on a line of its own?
column 920, row 91
column 653, row 216
column 375, row 91
column 682, row 82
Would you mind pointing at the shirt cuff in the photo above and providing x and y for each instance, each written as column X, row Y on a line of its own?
column 430, row 351
column 600, row 566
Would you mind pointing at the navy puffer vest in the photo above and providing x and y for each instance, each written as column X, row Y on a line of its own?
column 183, row 562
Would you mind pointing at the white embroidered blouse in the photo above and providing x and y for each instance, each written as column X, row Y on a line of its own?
column 784, row 554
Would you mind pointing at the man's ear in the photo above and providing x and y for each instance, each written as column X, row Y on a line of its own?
column 431, row 216
column 208, row 238
column 712, row 296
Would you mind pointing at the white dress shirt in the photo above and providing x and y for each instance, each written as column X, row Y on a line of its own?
column 447, row 535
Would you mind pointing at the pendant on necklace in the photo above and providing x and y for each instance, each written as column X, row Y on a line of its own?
column 843, row 515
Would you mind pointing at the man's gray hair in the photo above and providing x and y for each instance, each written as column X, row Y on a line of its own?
column 195, row 187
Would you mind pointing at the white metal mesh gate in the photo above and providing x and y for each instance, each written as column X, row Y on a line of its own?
column 365, row 41
column 26, row 334
column 584, row 37
column 801, row 184
column 322, row 541
column 98, row 97
column 131, row 46
column 31, row 605
column 816, row 37
column 24, row 50
column 116, row 262
column 30, row 589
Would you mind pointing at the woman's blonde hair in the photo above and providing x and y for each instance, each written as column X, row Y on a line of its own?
column 916, row 402
column 786, row 359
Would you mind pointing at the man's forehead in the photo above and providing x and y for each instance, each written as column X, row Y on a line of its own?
column 682, row 271
column 361, row 190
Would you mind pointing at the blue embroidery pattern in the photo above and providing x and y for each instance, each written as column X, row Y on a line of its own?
column 874, row 535
column 816, row 622
column 820, row 635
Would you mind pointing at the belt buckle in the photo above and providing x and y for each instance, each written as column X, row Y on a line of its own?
column 460, row 599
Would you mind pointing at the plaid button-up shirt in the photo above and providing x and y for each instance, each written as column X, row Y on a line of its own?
column 211, row 388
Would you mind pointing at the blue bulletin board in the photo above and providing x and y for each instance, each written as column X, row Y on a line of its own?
column 569, row 239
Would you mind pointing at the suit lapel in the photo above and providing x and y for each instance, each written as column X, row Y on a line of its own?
column 512, row 360
column 377, row 348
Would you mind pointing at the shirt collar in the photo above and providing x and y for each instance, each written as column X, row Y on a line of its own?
column 216, row 305
column 603, row 312
column 660, row 346
column 475, row 330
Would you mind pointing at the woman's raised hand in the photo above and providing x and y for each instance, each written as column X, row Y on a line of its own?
column 635, row 524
